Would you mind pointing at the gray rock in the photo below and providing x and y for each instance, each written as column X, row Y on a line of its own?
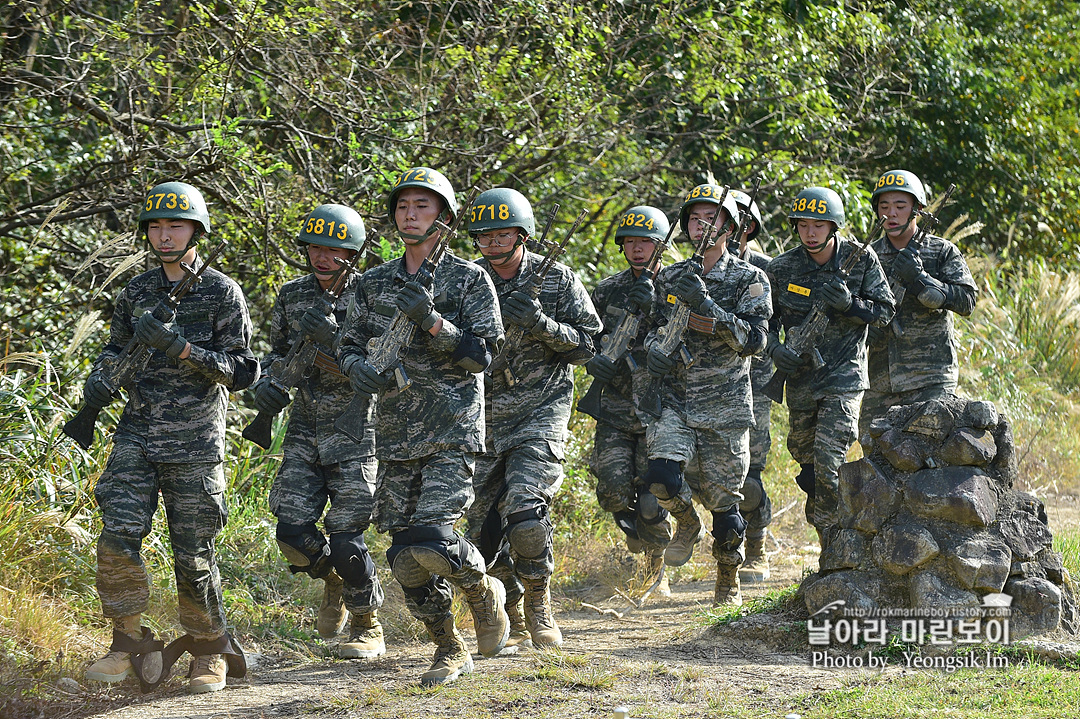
column 1026, row 569
column 879, row 426
column 1024, row 525
column 969, row 447
column 932, row 420
column 900, row 548
column 958, row 494
column 902, row 451
column 846, row 551
column 1052, row 565
column 1036, row 606
column 856, row 589
column 867, row 497
column 928, row 590
column 982, row 564
column 980, row 415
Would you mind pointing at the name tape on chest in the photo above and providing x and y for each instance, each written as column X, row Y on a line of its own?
column 804, row 291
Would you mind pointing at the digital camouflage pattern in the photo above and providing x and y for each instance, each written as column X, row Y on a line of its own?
column 617, row 405
column 178, row 407
column 444, row 407
column 761, row 371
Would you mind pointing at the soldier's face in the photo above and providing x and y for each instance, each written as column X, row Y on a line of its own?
column 638, row 250
column 416, row 210
column 897, row 208
column 169, row 237
column 815, row 235
column 701, row 215
column 324, row 260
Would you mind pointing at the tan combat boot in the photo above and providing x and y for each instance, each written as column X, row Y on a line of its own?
column 688, row 533
column 207, row 673
column 116, row 666
column 726, row 592
column 756, row 566
column 332, row 611
column 486, row 600
column 452, row 658
column 538, row 615
column 656, row 567
column 366, row 639
column 519, row 637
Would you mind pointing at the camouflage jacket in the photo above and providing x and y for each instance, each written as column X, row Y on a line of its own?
column 761, row 366
column 714, row 393
column 795, row 277
column 617, row 403
column 177, row 409
column 444, row 406
column 538, row 405
column 926, row 352
column 325, row 393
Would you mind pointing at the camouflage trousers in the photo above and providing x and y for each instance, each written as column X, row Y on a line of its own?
column 299, row 495
column 821, row 432
column 431, row 491
column 755, row 509
column 194, row 498
column 524, row 478
column 876, row 404
column 714, row 463
column 619, row 460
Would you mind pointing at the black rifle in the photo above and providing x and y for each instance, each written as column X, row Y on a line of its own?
column 533, row 285
column 123, row 369
column 288, row 371
column 616, row 344
column 670, row 336
column 804, row 339
column 899, row 289
column 748, row 216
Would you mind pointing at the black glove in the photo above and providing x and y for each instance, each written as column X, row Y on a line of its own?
column 640, row 294
column 658, row 363
column 908, row 266
column 690, row 288
column 268, row 398
column 786, row 360
column 365, row 380
column 601, row 368
column 319, row 326
column 836, row 295
column 95, row 392
column 152, row 332
column 418, row 304
column 522, row 310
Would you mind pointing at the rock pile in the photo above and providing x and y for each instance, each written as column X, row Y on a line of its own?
column 930, row 521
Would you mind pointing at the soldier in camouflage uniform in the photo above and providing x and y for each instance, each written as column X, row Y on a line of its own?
column 430, row 431
column 823, row 404
column 320, row 462
column 521, row 470
column 171, row 439
column 620, row 454
column 914, row 359
column 756, row 507
column 703, row 433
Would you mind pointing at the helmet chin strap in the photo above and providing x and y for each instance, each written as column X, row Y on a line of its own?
column 502, row 257
column 414, row 239
column 169, row 257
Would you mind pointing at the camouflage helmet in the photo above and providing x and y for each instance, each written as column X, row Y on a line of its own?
column 743, row 201
column 709, row 194
column 643, row 221
column 333, row 226
column 899, row 181
column 175, row 201
column 426, row 179
column 817, row 203
column 499, row 208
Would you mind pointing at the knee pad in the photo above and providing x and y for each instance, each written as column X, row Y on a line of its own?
column 805, row 479
column 664, row 478
column 437, row 550
column 305, row 547
column 649, row 510
column 350, row 557
column 729, row 528
column 753, row 492
column 627, row 522
column 529, row 532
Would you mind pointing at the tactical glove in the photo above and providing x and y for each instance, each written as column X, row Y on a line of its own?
column 522, row 310
column 836, row 295
column 268, row 398
column 365, row 380
column 908, row 266
column 418, row 304
column 319, row 326
column 659, row 364
column 152, row 332
column 95, row 392
column 786, row 360
column 601, row 368
column 690, row 288
column 640, row 294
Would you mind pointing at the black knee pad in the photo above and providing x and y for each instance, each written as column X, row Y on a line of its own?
column 728, row 528
column 805, row 479
column 530, row 532
column 627, row 522
column 664, row 478
column 305, row 547
column 351, row 558
column 439, row 549
column 649, row 510
column 753, row 492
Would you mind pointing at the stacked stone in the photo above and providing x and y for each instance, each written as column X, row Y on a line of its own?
column 930, row 520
